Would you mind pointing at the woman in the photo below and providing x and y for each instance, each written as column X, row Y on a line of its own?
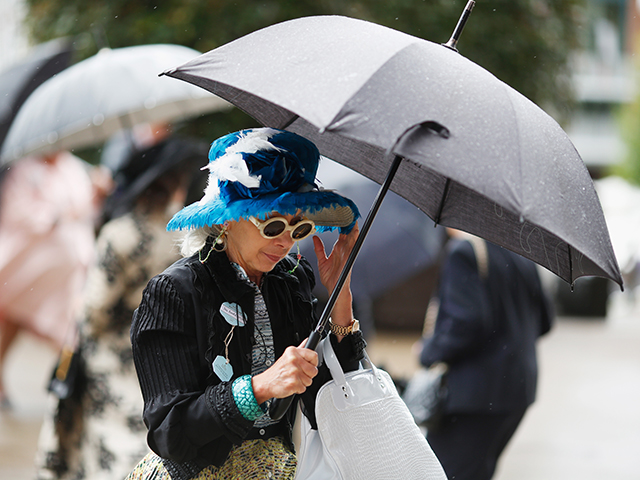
column 97, row 433
column 221, row 332
column 47, row 210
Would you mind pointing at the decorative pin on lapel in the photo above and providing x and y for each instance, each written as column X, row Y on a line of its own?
column 233, row 314
column 222, row 368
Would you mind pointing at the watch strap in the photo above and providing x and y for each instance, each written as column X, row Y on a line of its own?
column 342, row 330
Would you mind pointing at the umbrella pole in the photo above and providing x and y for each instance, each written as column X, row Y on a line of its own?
column 280, row 405
column 453, row 41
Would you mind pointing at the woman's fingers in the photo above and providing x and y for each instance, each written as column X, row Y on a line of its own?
column 318, row 247
column 297, row 368
column 292, row 373
column 330, row 267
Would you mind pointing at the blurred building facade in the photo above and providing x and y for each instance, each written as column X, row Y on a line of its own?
column 604, row 78
column 13, row 37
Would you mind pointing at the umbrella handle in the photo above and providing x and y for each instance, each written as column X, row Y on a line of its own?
column 280, row 405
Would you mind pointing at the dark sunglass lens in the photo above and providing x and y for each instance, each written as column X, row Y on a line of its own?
column 274, row 229
column 302, row 231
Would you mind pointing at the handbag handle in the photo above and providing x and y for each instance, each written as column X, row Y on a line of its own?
column 334, row 366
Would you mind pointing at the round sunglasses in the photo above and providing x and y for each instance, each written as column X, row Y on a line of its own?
column 276, row 226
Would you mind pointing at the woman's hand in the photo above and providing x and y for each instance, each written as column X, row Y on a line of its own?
column 292, row 373
column 330, row 269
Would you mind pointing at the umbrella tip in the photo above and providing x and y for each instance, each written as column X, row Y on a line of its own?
column 453, row 41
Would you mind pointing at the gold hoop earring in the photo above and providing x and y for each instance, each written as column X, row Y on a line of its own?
column 219, row 244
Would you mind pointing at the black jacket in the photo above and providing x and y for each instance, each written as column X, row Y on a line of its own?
column 178, row 331
column 486, row 330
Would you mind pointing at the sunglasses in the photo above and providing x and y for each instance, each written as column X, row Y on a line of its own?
column 276, row 226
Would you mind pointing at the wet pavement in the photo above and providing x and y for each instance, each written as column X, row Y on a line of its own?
column 585, row 424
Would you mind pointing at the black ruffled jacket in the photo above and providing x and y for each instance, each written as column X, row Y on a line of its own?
column 178, row 331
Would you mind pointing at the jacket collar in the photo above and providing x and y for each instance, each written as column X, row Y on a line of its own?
column 233, row 288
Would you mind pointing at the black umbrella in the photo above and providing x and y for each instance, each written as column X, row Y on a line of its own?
column 436, row 128
column 478, row 156
column 19, row 80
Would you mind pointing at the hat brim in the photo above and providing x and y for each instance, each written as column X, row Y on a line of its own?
column 327, row 209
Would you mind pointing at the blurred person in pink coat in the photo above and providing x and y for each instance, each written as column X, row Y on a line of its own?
column 48, row 205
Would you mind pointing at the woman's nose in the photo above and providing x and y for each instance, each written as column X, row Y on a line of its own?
column 285, row 240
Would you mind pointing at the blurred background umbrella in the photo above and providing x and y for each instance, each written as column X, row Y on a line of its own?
column 142, row 167
column 112, row 90
column 20, row 80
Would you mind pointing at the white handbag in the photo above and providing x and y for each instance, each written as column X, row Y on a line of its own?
column 365, row 430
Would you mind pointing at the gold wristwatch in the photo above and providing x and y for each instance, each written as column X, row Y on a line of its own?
column 342, row 331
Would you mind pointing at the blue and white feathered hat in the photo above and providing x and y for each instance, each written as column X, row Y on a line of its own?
column 259, row 171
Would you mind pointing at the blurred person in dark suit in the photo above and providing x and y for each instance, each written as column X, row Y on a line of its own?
column 492, row 309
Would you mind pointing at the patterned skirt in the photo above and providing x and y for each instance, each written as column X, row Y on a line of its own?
column 253, row 459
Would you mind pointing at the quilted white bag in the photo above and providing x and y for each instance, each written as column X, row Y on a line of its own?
column 365, row 430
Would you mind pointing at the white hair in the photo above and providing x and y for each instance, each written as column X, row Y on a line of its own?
column 195, row 239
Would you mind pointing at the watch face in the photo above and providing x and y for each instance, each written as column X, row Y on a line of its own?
column 355, row 326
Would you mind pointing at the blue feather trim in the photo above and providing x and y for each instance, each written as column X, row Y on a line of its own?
column 218, row 211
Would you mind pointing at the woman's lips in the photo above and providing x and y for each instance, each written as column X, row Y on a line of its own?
column 273, row 258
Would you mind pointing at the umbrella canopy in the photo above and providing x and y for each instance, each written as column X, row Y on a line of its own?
column 114, row 89
column 476, row 154
column 18, row 81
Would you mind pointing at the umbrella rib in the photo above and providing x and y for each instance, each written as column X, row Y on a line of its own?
column 293, row 119
column 570, row 266
column 447, row 186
